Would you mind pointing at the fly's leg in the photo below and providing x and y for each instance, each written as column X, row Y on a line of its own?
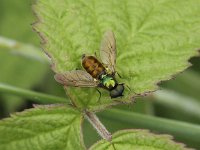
column 95, row 54
column 131, row 90
column 128, row 87
column 136, row 94
column 83, row 56
column 100, row 85
column 118, row 74
column 99, row 95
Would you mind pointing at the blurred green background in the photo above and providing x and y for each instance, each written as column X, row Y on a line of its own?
column 179, row 98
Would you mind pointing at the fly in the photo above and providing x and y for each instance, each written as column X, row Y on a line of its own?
column 97, row 73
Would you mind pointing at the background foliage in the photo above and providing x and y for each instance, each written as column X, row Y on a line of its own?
column 23, row 71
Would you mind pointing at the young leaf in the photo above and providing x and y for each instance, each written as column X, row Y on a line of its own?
column 44, row 127
column 155, row 39
column 140, row 140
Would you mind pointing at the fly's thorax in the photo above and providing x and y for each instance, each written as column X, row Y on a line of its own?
column 93, row 66
column 108, row 71
column 108, row 81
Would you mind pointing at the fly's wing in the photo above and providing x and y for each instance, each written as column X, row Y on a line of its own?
column 108, row 51
column 77, row 78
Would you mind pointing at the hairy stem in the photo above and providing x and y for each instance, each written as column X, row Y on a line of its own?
column 102, row 131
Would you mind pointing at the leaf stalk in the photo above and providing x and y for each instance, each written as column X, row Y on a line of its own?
column 100, row 128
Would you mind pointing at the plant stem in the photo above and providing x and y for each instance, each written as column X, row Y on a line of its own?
column 181, row 130
column 36, row 96
column 101, row 129
column 174, row 100
column 26, row 50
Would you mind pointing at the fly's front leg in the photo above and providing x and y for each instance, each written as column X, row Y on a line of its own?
column 136, row 94
column 118, row 74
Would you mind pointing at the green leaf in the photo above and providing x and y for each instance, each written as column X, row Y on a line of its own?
column 155, row 39
column 138, row 140
column 44, row 127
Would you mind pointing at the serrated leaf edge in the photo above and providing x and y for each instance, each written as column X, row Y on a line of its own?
column 144, row 131
column 131, row 97
column 50, row 106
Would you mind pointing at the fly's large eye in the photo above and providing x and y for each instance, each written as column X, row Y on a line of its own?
column 117, row 92
column 114, row 93
column 120, row 88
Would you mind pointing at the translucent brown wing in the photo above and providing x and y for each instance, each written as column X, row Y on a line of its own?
column 108, row 51
column 76, row 78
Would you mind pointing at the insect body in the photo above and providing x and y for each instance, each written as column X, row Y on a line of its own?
column 97, row 74
column 98, row 71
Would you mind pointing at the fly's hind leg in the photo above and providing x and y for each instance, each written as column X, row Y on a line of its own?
column 99, row 95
